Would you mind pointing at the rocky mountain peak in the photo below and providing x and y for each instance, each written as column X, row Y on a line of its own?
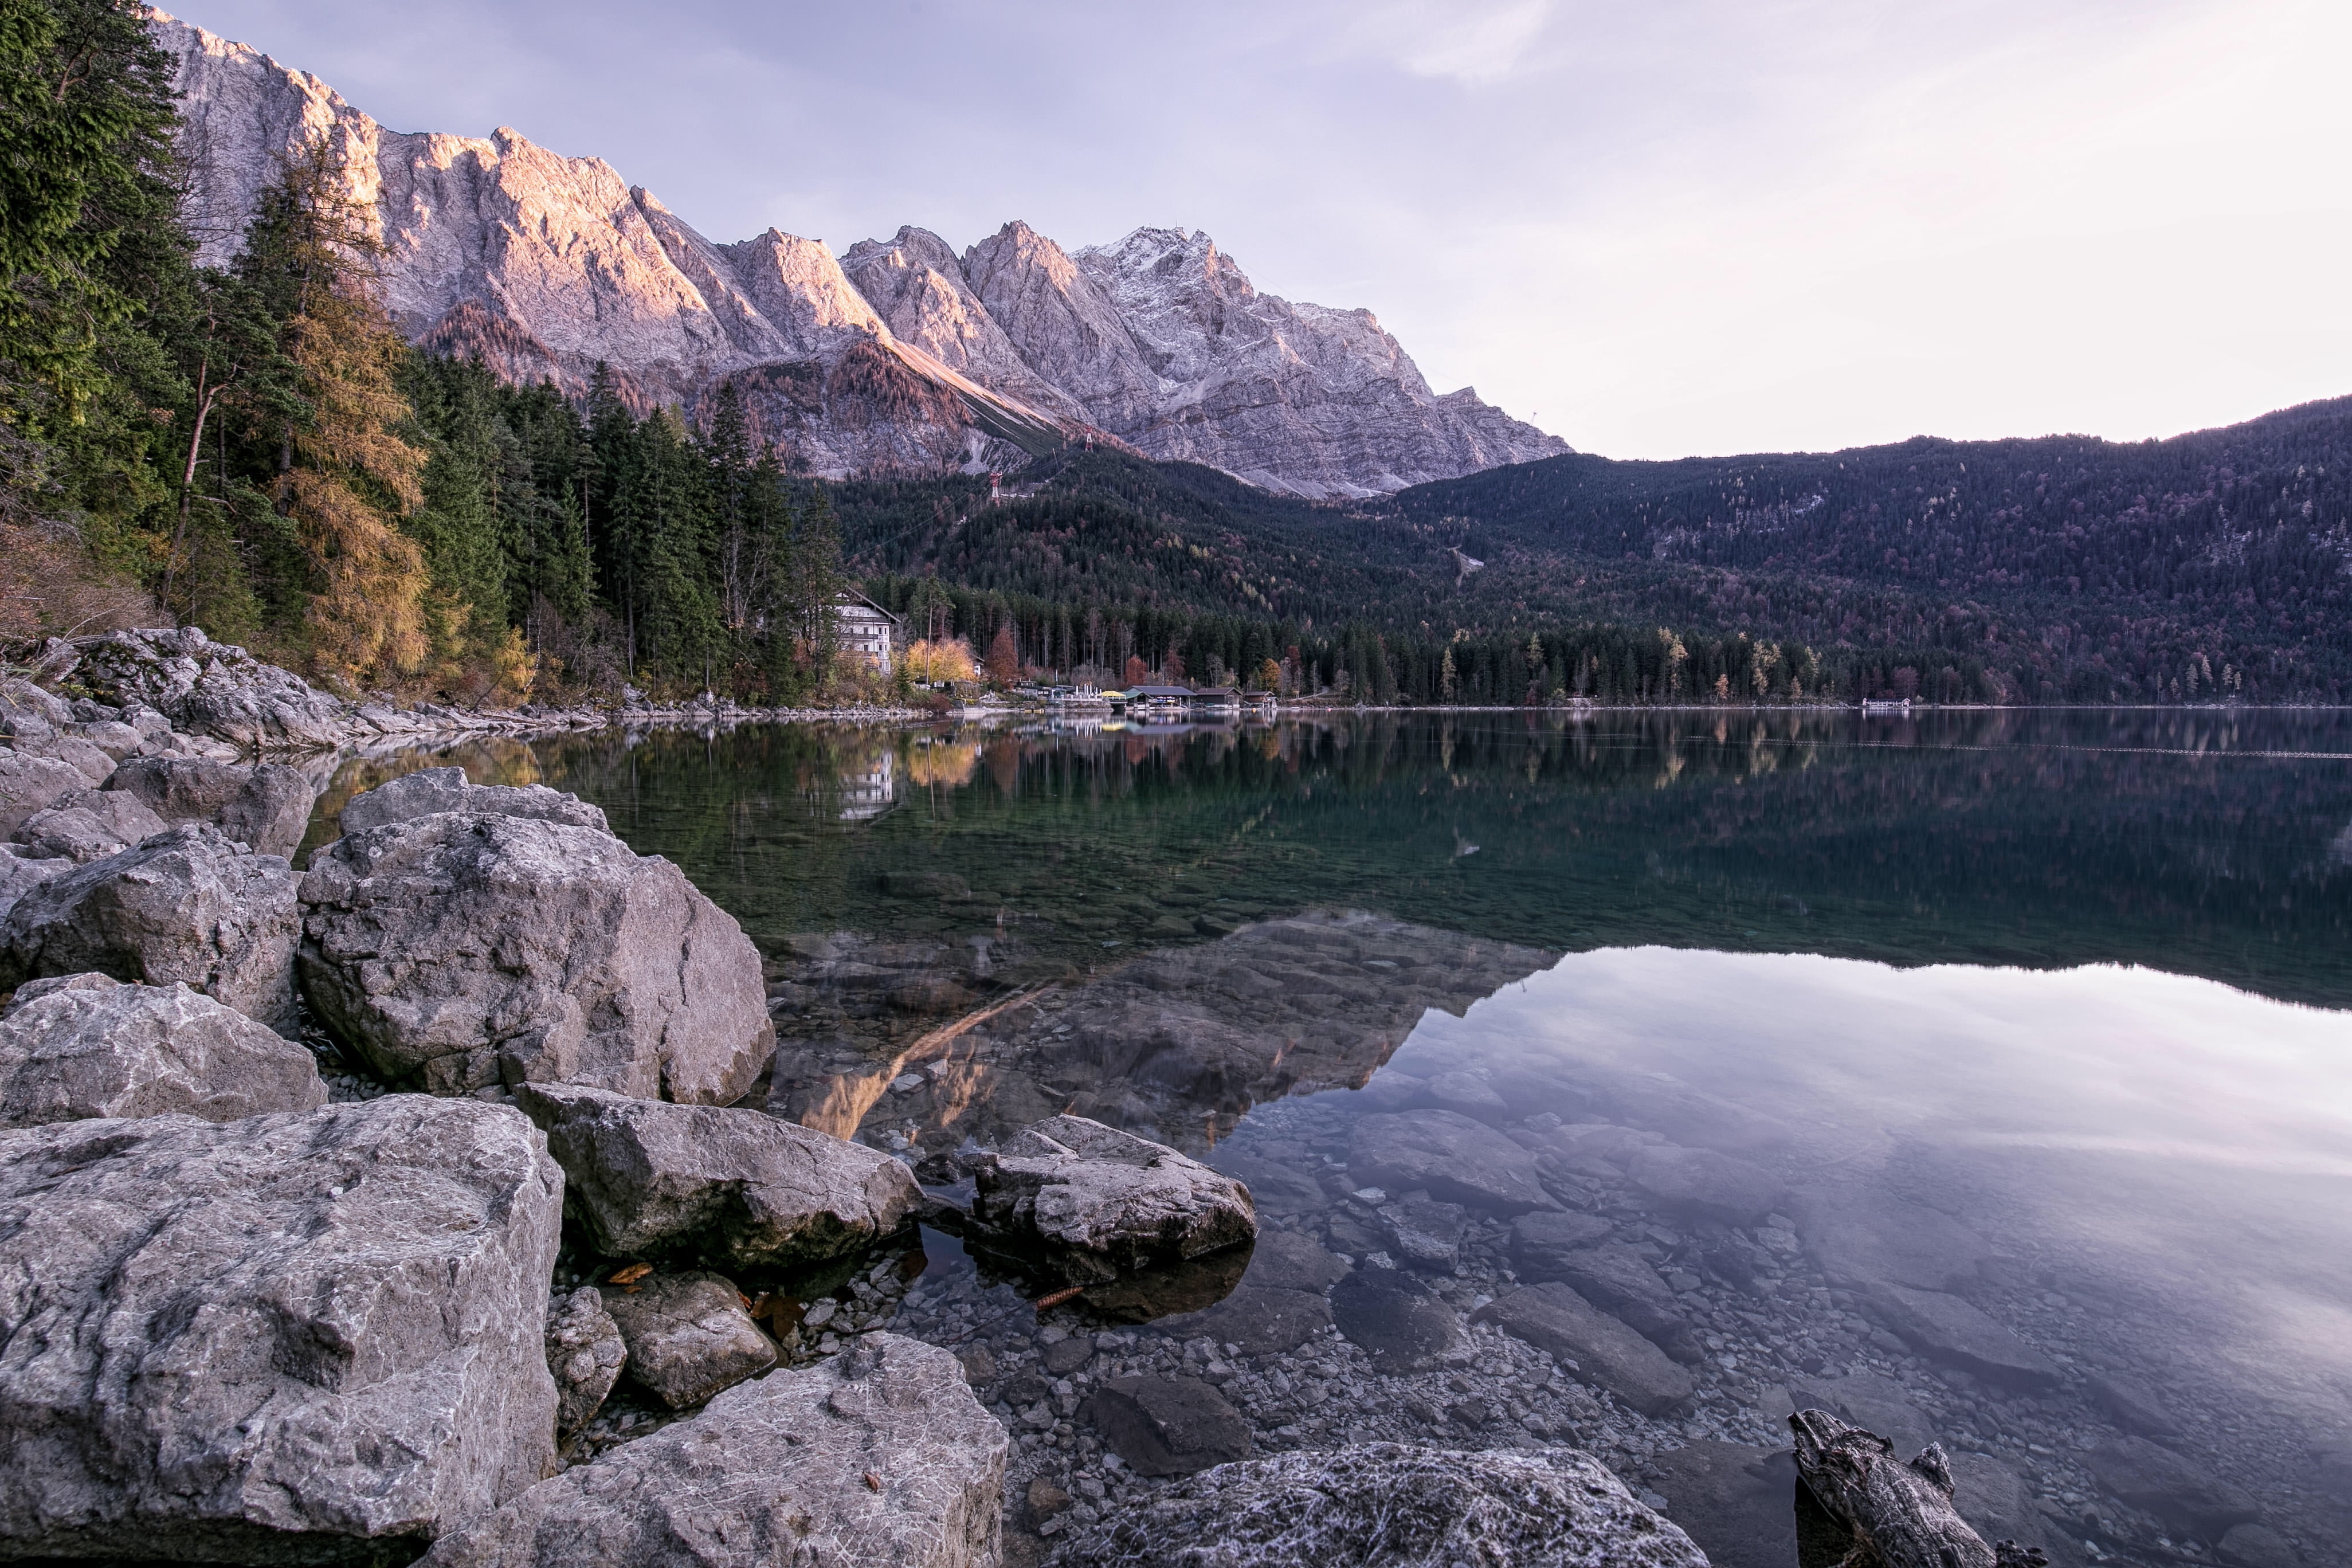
column 898, row 354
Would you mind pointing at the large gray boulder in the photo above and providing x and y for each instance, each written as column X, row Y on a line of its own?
column 88, row 825
column 1554, row 1318
column 1389, row 1505
column 1447, row 1155
column 727, row 1187
column 878, row 1456
column 30, row 784
column 211, row 689
column 303, row 1338
column 431, row 790
column 87, row 1044
column 463, row 949
column 265, row 806
column 1095, row 1202
column 186, row 905
column 689, row 1335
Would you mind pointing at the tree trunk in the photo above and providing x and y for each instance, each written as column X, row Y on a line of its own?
column 1874, row 1512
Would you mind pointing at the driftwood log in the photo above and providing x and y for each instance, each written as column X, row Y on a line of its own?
column 1873, row 1510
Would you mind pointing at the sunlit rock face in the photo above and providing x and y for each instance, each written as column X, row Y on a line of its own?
column 1297, row 397
column 900, row 355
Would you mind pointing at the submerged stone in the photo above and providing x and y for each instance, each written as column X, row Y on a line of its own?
column 1390, row 1505
column 1166, row 1426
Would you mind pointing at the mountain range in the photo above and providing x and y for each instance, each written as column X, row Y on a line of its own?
column 899, row 355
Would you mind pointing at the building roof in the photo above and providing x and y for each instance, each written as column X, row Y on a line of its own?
column 851, row 599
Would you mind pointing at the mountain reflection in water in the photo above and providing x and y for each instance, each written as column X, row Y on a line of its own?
column 2030, row 1020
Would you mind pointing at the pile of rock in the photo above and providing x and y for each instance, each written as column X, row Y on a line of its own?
column 248, row 1324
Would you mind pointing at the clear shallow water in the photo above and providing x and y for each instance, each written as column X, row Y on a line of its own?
column 2064, row 991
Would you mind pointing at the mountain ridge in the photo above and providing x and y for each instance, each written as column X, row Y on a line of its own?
column 897, row 356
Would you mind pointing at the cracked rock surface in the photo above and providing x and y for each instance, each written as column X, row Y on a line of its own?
column 878, row 1456
column 688, row 1336
column 187, row 905
column 88, row 1046
column 729, row 1187
column 312, row 1337
column 264, row 805
column 1101, row 1203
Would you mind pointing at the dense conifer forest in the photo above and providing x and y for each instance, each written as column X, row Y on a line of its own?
column 254, row 448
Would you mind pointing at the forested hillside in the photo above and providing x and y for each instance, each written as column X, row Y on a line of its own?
column 2220, row 561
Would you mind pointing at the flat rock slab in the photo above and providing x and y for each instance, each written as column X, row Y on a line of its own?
column 586, row 1355
column 1425, row 1232
column 1947, row 1329
column 2184, row 1495
column 722, row 1186
column 689, row 1335
column 1099, row 1202
column 1395, row 1320
column 88, row 1046
column 1998, row 1504
column 1264, row 1320
column 461, row 951
column 1284, row 1260
column 186, row 905
column 1447, row 1155
column 2135, row 1407
column 1166, row 1426
column 265, row 806
column 873, row 1458
column 431, row 790
column 1733, row 1501
column 1865, row 1240
column 1542, row 1240
column 1700, row 1183
column 1389, row 1505
column 1554, row 1318
column 1619, row 1280
column 302, row 1337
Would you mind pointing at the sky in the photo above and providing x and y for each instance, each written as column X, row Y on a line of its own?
column 1654, row 228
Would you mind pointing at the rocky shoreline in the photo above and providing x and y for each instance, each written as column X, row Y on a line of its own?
column 450, row 1200
column 217, row 695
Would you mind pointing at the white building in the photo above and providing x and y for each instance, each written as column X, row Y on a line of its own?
column 864, row 629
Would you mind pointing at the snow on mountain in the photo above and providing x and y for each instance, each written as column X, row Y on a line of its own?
column 899, row 355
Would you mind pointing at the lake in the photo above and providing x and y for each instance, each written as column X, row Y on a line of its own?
column 1980, row 1077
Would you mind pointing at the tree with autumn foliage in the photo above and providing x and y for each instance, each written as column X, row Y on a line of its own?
column 1004, row 658
column 346, row 475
